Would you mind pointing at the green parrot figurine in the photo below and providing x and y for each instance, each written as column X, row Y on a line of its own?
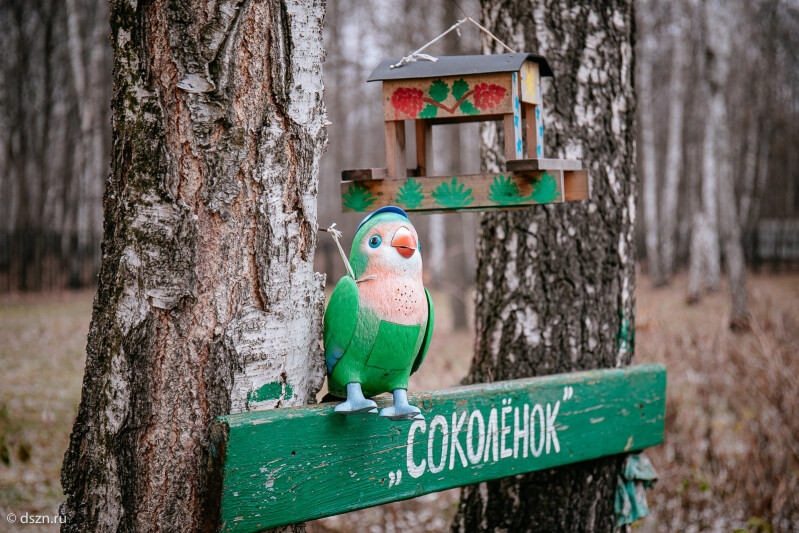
column 379, row 321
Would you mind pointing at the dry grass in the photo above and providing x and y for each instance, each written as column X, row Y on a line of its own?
column 730, row 460
column 42, row 343
column 731, row 455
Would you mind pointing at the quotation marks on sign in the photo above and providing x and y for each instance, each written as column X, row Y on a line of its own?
column 394, row 478
column 568, row 392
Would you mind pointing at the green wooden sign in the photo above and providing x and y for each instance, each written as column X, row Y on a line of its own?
column 289, row 465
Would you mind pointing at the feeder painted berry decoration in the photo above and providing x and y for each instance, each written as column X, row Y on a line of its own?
column 487, row 96
column 407, row 101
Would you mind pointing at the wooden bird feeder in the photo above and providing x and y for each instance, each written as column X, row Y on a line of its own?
column 458, row 89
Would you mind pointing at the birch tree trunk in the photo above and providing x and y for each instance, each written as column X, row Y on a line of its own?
column 749, row 169
column 709, row 186
column 674, row 148
column 438, row 246
column 715, row 69
column 85, row 60
column 555, row 284
column 648, row 45
column 764, row 153
column 206, row 291
column 720, row 26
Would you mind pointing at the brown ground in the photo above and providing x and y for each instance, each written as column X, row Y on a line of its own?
column 730, row 460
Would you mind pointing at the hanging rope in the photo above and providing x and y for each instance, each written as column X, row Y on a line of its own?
column 414, row 56
column 336, row 234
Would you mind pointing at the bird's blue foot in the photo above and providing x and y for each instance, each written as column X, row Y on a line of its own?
column 401, row 410
column 356, row 403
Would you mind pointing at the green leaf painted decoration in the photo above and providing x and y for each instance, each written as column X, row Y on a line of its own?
column 467, row 108
column 625, row 337
column 505, row 192
column 459, row 88
column 453, row 194
column 545, row 190
column 410, row 194
column 429, row 111
column 358, row 198
column 439, row 91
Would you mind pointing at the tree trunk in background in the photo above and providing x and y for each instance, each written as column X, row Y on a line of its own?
column 705, row 269
column 710, row 242
column 674, row 150
column 720, row 26
column 648, row 46
column 555, row 284
column 437, row 248
column 715, row 72
column 696, row 257
column 456, row 266
column 749, row 171
column 764, row 152
column 206, row 290
column 90, row 165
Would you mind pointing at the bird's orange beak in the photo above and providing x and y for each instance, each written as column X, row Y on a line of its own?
column 404, row 242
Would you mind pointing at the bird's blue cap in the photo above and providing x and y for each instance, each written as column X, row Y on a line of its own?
column 386, row 209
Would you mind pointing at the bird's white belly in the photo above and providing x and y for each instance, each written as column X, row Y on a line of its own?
column 401, row 300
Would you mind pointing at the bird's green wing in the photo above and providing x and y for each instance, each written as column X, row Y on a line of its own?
column 428, row 334
column 341, row 316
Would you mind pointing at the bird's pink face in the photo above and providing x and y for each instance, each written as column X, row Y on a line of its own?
column 393, row 248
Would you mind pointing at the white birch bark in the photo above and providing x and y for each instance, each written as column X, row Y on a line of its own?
column 437, row 247
column 710, row 176
column 696, row 257
column 721, row 24
column 674, row 150
column 84, row 153
column 649, row 174
column 716, row 70
column 749, row 171
column 764, row 153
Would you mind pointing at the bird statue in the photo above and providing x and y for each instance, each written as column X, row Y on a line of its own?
column 379, row 320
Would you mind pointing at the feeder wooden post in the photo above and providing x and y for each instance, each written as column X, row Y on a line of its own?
column 510, row 137
column 395, row 148
column 531, row 132
column 513, row 124
column 424, row 147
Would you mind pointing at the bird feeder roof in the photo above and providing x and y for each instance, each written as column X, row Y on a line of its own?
column 466, row 65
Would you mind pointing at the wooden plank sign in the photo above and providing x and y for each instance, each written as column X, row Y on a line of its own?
column 295, row 464
column 503, row 190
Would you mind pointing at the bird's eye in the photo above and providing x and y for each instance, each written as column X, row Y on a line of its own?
column 374, row 241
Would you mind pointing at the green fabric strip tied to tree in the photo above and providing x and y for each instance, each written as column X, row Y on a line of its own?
column 637, row 475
